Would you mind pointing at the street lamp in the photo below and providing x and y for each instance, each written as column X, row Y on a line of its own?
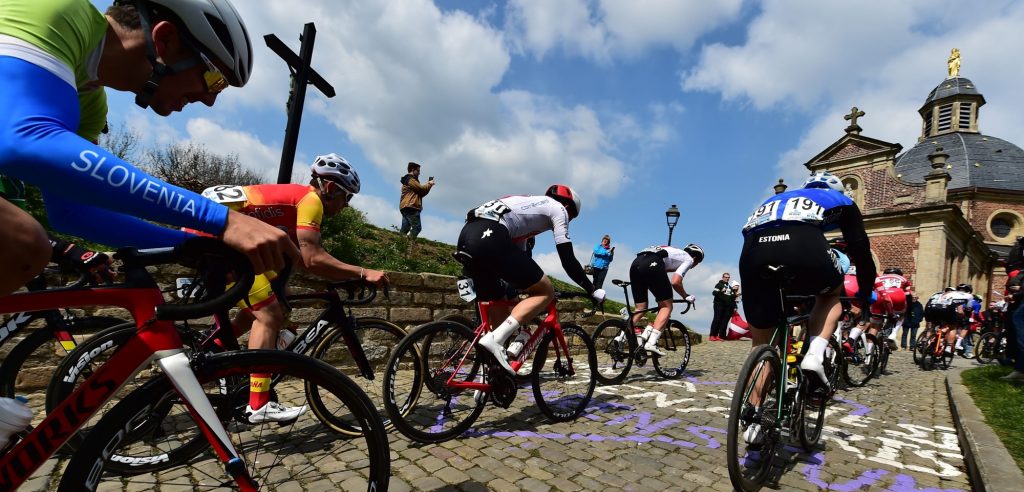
column 671, row 218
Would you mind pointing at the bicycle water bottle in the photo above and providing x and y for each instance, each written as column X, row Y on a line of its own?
column 15, row 417
column 517, row 345
column 623, row 313
column 285, row 337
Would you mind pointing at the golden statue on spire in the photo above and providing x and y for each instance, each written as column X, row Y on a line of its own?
column 953, row 64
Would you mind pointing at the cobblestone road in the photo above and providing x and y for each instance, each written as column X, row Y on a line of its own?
column 649, row 434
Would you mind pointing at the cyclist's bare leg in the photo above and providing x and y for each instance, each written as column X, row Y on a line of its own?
column 267, row 322
column 638, row 316
column 540, row 295
column 664, row 313
column 25, row 248
column 825, row 315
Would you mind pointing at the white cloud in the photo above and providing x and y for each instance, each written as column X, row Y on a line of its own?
column 384, row 213
column 883, row 57
column 610, row 29
column 418, row 84
column 251, row 151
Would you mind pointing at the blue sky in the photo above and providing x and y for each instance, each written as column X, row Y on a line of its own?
column 637, row 104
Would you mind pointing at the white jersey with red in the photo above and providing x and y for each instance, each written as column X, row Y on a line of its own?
column 527, row 216
column 894, row 289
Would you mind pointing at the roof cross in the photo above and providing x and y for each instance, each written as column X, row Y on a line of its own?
column 852, row 118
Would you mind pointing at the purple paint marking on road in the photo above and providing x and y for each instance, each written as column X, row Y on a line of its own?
column 699, row 431
column 858, row 408
column 813, row 475
column 906, row 483
column 643, row 422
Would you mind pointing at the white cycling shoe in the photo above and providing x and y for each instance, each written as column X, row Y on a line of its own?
column 753, row 435
column 651, row 345
column 274, row 412
column 815, row 364
column 497, row 350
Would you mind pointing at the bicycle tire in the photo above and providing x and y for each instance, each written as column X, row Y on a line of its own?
column 120, row 427
column 675, row 342
column 78, row 365
column 378, row 338
column 921, row 347
column 577, row 379
column 749, row 471
column 13, row 371
column 462, row 320
column 436, row 413
column 987, row 348
column 860, row 366
column 812, row 413
column 614, row 358
column 946, row 359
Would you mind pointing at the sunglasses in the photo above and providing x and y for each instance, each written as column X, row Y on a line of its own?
column 214, row 78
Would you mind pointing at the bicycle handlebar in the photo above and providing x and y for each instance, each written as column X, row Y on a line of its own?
column 208, row 254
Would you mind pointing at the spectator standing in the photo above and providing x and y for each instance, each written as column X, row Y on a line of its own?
column 724, row 305
column 411, row 202
column 914, row 315
column 601, row 259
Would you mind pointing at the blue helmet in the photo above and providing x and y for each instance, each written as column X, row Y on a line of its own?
column 824, row 179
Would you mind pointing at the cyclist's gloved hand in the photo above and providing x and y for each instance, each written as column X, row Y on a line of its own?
column 690, row 299
column 92, row 263
column 598, row 295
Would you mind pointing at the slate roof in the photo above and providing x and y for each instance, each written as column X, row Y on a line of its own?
column 951, row 87
column 977, row 161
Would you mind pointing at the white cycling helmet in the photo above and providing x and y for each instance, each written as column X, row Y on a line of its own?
column 695, row 252
column 334, row 167
column 218, row 29
column 824, row 179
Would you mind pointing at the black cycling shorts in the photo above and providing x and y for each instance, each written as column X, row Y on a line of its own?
column 805, row 253
column 943, row 314
column 647, row 273
column 494, row 257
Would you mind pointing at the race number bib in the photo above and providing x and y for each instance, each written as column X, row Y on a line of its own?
column 652, row 249
column 466, row 289
column 802, row 209
column 492, row 210
column 764, row 214
column 891, row 283
column 226, row 194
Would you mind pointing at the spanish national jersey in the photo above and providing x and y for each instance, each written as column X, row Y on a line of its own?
column 287, row 206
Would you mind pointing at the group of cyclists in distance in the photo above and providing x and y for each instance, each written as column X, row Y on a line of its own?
column 57, row 56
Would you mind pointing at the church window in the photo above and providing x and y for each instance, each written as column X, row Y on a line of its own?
column 965, row 116
column 1001, row 227
column 945, row 117
column 927, row 127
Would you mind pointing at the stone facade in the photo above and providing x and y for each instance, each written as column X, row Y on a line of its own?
column 950, row 224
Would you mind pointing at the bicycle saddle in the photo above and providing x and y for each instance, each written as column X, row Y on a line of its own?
column 620, row 283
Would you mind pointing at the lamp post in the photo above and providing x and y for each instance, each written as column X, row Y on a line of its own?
column 671, row 218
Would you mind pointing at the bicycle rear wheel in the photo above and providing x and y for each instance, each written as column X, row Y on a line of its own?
column 614, row 348
column 564, row 377
column 921, row 347
column 275, row 455
column 987, row 348
column 860, row 364
column 675, row 342
column 378, row 339
column 417, row 396
column 812, row 419
column 755, row 402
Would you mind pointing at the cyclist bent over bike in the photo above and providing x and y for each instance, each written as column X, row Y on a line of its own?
column 648, row 273
column 492, row 247
column 787, row 229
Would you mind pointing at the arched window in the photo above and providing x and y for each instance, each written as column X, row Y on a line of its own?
column 854, row 190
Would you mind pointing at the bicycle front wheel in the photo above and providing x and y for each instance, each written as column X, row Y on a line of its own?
column 753, row 435
column 987, row 348
column 675, row 342
column 276, row 455
column 614, row 347
column 861, row 363
column 421, row 396
column 377, row 339
column 564, row 377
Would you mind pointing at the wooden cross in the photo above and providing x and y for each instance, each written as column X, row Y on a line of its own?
column 854, row 114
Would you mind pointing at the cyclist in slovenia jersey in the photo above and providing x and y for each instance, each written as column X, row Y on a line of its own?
column 56, row 57
column 299, row 210
column 788, row 229
column 647, row 273
column 492, row 248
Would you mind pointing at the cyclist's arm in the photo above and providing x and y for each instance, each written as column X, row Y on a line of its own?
column 858, row 247
column 319, row 262
column 38, row 145
column 677, row 285
column 572, row 266
column 107, row 227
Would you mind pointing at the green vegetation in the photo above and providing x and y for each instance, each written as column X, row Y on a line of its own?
column 1002, row 403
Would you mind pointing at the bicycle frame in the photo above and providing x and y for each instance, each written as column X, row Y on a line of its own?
column 550, row 322
column 155, row 340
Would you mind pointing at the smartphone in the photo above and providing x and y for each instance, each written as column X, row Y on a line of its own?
column 430, row 178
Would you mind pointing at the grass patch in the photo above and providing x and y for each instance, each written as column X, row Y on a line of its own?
column 1002, row 403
